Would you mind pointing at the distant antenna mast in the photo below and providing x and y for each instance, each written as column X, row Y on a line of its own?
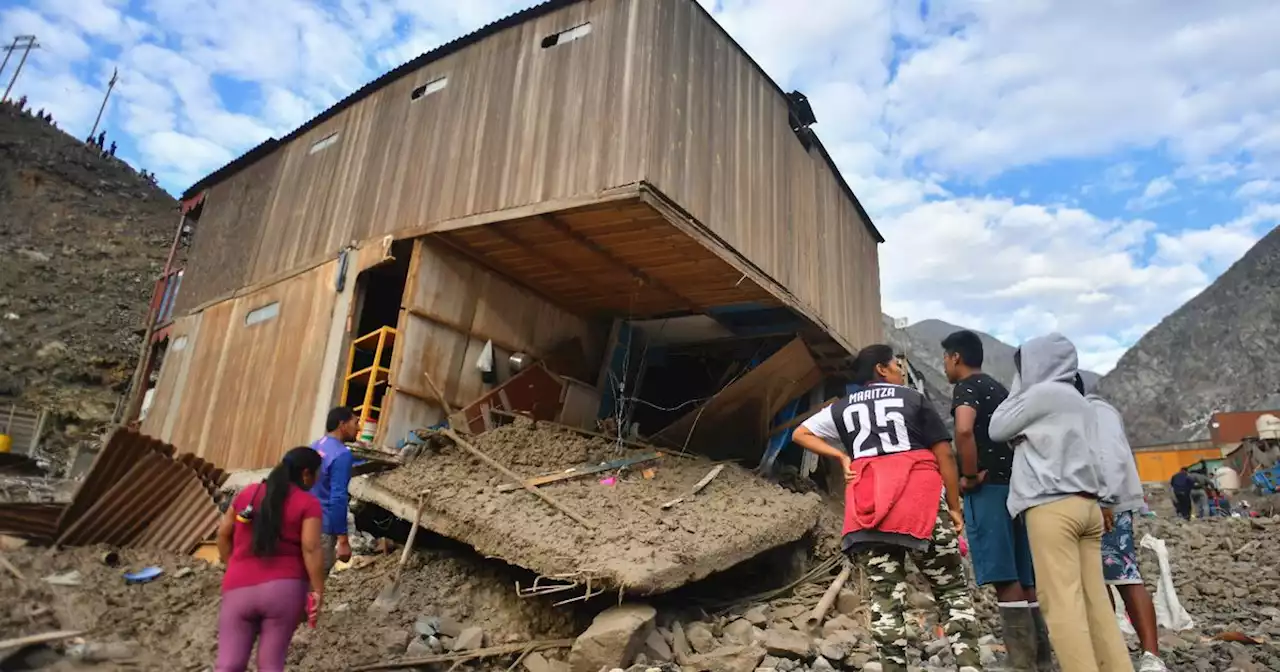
column 115, row 72
column 900, row 322
column 26, row 43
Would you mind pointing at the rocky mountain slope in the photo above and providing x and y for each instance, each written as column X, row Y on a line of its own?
column 1218, row 352
column 922, row 344
column 82, row 239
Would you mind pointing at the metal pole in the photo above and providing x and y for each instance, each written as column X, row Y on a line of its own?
column 7, row 53
column 31, row 44
column 110, row 85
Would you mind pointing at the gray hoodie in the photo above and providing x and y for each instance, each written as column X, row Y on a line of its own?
column 1118, row 464
column 1057, row 457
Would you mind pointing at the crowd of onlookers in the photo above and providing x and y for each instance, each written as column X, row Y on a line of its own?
column 97, row 144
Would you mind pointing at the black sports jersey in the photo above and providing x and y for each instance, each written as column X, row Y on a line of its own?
column 883, row 419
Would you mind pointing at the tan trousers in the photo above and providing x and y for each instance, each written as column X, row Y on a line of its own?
column 1066, row 545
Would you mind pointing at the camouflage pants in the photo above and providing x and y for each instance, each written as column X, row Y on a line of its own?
column 942, row 565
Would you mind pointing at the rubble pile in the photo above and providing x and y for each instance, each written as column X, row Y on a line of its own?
column 637, row 545
column 83, row 239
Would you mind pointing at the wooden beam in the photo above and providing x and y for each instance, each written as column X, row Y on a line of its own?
column 608, row 256
column 458, row 247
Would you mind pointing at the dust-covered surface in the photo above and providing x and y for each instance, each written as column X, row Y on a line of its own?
column 171, row 623
column 83, row 240
column 637, row 545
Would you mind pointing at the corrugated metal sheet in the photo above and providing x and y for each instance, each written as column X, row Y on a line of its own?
column 23, row 425
column 30, row 520
column 137, row 494
column 1236, row 426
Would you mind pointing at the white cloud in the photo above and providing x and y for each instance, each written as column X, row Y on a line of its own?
column 1153, row 195
column 918, row 110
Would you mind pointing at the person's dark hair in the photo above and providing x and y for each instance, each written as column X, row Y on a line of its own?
column 966, row 344
column 336, row 417
column 868, row 358
column 268, row 513
column 1078, row 383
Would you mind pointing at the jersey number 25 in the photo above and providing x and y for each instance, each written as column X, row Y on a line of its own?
column 886, row 419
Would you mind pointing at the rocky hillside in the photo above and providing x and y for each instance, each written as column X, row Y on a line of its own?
column 1218, row 352
column 83, row 239
column 922, row 344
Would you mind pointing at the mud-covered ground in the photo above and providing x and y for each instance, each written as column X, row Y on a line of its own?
column 171, row 623
column 636, row 543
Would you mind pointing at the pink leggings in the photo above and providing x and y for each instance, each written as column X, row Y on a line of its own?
column 268, row 612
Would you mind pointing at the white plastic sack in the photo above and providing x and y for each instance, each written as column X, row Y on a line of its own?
column 485, row 362
column 1169, row 611
column 1122, row 617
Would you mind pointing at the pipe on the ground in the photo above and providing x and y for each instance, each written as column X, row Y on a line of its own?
column 829, row 598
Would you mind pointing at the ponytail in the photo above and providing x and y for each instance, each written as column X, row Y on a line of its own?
column 868, row 358
column 268, row 516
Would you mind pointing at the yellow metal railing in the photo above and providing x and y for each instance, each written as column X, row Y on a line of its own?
column 380, row 342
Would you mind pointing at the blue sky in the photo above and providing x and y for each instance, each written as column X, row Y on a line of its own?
column 1084, row 167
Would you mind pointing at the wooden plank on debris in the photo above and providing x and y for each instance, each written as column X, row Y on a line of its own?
column 578, row 472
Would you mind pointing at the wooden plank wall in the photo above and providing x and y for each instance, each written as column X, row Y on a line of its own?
column 248, row 391
column 228, row 235
column 452, row 307
column 721, row 147
column 172, row 383
column 516, row 124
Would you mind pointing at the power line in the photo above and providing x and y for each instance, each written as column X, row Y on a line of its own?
column 26, row 43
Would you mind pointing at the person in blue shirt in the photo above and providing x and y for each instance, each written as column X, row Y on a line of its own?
column 341, row 426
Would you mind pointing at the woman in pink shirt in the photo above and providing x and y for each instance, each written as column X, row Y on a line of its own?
column 269, row 540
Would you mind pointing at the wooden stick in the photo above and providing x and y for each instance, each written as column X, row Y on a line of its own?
column 516, row 478
column 697, row 487
column 4, row 562
column 413, row 533
column 578, row 472
column 448, row 409
column 467, row 655
column 828, row 598
column 44, row 638
column 597, row 435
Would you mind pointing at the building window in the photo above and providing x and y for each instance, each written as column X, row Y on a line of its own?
column 324, row 142
column 565, row 36
column 429, row 88
column 267, row 312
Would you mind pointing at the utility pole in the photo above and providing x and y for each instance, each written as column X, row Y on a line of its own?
column 115, row 72
column 8, row 51
column 30, row 41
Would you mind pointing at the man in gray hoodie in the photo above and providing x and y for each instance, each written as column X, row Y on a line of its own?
column 1058, row 486
column 1119, row 553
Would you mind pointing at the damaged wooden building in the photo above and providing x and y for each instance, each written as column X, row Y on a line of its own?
column 609, row 191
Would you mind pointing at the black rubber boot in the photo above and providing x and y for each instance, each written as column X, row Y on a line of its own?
column 1044, row 649
column 1019, row 638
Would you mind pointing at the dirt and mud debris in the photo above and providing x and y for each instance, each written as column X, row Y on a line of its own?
column 172, row 621
column 637, row 544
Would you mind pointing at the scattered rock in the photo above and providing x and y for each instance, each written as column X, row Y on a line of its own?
column 469, row 639
column 757, row 615
column 838, row 624
column 740, row 631
column 736, row 658
column 448, row 627
column 614, row 638
column 535, row 662
column 656, row 648
column 821, row 664
column 418, row 647
column 700, row 637
column 789, row 612
column 394, row 641
column 679, row 641
column 848, row 602
column 788, row 643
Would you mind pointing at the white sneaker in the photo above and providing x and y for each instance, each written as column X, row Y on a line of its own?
column 1151, row 663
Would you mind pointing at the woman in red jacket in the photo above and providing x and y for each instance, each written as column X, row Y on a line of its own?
column 896, row 455
column 270, row 542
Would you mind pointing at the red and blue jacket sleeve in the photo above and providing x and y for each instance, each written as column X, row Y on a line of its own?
column 335, row 509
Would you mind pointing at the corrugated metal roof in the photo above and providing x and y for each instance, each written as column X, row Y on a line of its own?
column 30, row 520
column 137, row 494
column 1236, row 426
column 270, row 144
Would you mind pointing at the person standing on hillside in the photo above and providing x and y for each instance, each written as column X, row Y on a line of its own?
column 1119, row 553
column 895, row 453
column 998, row 542
column 341, row 426
column 1199, row 494
column 1058, row 485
